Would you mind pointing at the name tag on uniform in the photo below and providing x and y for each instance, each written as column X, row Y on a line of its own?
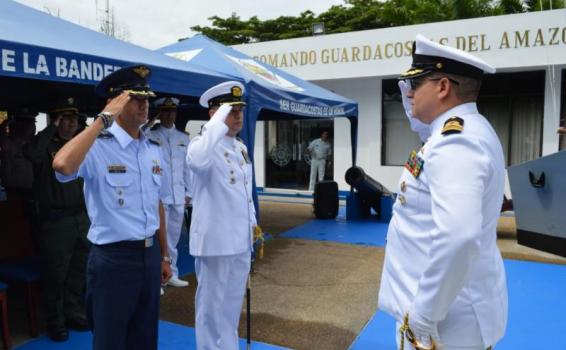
column 117, row 168
column 246, row 156
column 414, row 164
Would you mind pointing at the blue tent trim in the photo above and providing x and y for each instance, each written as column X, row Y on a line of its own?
column 37, row 46
column 271, row 93
column 269, row 89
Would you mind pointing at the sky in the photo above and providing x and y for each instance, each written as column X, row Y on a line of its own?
column 156, row 23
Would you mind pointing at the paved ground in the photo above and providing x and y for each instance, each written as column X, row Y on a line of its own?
column 315, row 295
column 306, row 294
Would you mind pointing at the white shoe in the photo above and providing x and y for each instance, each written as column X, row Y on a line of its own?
column 162, row 291
column 176, row 282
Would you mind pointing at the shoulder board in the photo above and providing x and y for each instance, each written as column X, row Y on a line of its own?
column 105, row 135
column 155, row 127
column 154, row 142
column 453, row 125
column 239, row 139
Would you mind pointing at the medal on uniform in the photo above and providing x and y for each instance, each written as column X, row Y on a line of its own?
column 156, row 169
column 414, row 164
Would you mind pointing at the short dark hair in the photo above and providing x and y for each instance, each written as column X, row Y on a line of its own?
column 466, row 90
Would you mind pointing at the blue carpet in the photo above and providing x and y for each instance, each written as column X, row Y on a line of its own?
column 171, row 337
column 361, row 232
column 537, row 300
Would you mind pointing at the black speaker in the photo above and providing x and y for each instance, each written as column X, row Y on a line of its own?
column 325, row 199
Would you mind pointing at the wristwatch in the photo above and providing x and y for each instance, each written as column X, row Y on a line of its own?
column 106, row 118
column 166, row 259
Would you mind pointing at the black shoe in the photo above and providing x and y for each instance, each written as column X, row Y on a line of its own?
column 58, row 333
column 78, row 323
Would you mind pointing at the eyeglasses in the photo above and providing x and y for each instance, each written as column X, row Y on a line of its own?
column 416, row 83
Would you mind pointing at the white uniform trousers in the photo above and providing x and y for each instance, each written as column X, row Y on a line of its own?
column 318, row 167
column 174, row 215
column 458, row 331
column 220, row 294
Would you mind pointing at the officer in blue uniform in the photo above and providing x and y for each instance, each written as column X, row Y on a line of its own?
column 122, row 172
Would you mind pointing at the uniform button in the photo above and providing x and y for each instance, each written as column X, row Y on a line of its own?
column 119, row 192
column 403, row 186
column 250, row 201
column 231, row 172
column 232, row 180
column 226, row 154
column 121, row 201
column 402, row 199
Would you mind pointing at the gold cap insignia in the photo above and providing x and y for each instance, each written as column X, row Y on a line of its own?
column 142, row 71
column 439, row 65
column 453, row 125
column 412, row 72
column 236, row 91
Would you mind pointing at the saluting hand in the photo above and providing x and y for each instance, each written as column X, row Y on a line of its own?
column 116, row 105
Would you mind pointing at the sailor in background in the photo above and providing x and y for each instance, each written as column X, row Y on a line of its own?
column 320, row 149
column 122, row 171
column 63, row 224
column 223, row 218
column 174, row 145
column 443, row 276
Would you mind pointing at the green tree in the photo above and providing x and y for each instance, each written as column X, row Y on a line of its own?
column 356, row 15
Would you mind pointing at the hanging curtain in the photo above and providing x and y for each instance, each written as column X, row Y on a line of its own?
column 526, row 129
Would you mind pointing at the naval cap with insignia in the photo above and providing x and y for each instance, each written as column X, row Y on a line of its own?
column 429, row 57
column 133, row 79
column 230, row 92
column 166, row 103
column 66, row 106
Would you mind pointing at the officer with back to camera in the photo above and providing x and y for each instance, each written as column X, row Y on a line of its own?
column 443, row 277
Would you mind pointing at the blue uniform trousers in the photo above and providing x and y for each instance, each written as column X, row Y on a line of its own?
column 122, row 298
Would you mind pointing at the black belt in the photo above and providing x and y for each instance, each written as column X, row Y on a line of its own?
column 140, row 244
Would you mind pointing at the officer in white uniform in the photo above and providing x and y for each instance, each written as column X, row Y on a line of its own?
column 174, row 144
column 320, row 149
column 223, row 218
column 443, row 277
column 122, row 171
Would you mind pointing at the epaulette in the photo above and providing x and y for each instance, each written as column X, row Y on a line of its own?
column 105, row 135
column 155, row 142
column 156, row 126
column 453, row 125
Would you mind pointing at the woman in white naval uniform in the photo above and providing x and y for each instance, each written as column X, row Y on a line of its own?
column 443, row 275
column 222, row 220
column 174, row 144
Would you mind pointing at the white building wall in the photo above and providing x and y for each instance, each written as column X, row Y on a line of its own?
column 512, row 43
